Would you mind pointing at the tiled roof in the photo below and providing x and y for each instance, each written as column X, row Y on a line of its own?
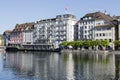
column 97, row 16
column 22, row 27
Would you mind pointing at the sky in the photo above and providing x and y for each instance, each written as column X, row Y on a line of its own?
column 14, row 12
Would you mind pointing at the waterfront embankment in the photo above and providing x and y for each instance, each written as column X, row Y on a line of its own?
column 90, row 51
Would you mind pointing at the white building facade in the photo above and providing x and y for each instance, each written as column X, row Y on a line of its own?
column 105, row 31
column 55, row 30
column 64, row 28
column 44, row 32
column 28, row 36
column 86, row 29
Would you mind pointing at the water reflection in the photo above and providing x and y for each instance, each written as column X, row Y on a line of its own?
column 65, row 66
column 117, row 60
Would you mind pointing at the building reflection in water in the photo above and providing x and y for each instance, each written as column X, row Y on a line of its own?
column 95, row 66
column 65, row 66
column 117, row 64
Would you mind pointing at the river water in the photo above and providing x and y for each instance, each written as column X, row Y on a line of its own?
column 56, row 66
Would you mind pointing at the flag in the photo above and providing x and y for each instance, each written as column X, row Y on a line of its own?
column 66, row 8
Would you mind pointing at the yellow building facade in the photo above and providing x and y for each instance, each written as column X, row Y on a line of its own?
column 1, row 41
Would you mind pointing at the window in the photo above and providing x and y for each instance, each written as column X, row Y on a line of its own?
column 85, row 36
column 81, row 27
column 105, row 22
column 81, row 36
column 89, row 36
column 89, row 27
column 91, row 22
column 108, row 28
column 89, row 17
column 103, row 34
column 85, row 31
column 96, row 34
column 110, row 40
column 100, row 34
column 98, row 29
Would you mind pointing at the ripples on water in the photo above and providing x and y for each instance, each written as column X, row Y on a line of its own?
column 55, row 66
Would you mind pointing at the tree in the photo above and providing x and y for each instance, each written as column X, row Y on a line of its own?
column 117, row 43
column 94, row 44
column 98, row 43
column 65, row 43
column 73, row 44
column 79, row 43
column 87, row 43
column 104, row 43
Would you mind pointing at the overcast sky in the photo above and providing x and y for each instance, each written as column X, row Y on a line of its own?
column 14, row 12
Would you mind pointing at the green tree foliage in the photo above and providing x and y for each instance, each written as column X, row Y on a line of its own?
column 98, row 42
column 117, row 43
column 73, row 44
column 65, row 43
column 94, row 43
column 79, row 43
column 87, row 43
column 104, row 43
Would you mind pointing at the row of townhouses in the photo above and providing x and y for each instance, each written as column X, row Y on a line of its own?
column 53, row 31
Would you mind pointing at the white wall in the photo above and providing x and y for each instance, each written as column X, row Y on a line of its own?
column 28, row 37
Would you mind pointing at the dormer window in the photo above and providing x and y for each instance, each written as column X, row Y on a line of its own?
column 90, row 17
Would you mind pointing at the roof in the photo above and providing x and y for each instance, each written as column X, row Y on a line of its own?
column 97, row 16
column 22, row 27
column 8, row 32
column 47, row 20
